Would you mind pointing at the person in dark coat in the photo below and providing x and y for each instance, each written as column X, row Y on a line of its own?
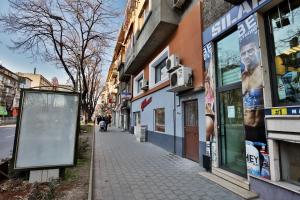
column 106, row 122
column 98, row 119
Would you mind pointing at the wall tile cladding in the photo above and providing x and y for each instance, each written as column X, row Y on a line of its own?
column 213, row 10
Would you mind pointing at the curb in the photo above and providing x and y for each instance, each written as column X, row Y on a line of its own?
column 90, row 194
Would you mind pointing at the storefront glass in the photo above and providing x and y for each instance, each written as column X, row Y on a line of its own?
column 232, row 135
column 229, row 70
column 284, row 22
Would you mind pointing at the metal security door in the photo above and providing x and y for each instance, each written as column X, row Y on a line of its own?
column 191, row 133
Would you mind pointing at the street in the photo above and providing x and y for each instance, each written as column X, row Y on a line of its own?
column 7, row 134
column 126, row 169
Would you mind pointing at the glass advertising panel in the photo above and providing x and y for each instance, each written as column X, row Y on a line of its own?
column 47, row 130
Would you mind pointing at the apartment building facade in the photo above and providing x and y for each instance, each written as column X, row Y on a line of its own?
column 252, row 57
column 161, row 74
column 9, row 84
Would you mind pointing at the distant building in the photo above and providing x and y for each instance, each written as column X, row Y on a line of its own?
column 37, row 79
column 25, row 82
column 66, row 88
column 9, row 84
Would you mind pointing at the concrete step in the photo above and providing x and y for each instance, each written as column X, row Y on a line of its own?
column 246, row 194
column 233, row 178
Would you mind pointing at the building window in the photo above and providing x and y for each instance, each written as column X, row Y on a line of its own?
column 159, row 119
column 161, row 72
column 284, row 22
column 290, row 162
column 157, row 69
column 137, row 84
column 137, row 118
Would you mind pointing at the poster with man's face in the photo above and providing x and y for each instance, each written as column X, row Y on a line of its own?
column 252, row 91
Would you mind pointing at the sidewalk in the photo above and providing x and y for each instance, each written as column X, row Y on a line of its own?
column 125, row 169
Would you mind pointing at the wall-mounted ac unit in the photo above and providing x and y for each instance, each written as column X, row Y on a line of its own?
column 172, row 63
column 181, row 79
column 145, row 85
column 178, row 3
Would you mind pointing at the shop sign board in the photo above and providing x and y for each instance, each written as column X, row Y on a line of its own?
column 126, row 95
column 283, row 111
column 231, row 18
column 145, row 103
column 47, row 130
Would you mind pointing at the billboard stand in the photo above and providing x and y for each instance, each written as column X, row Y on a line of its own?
column 46, row 133
column 41, row 176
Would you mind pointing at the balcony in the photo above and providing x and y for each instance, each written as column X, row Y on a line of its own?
column 114, row 73
column 122, row 76
column 9, row 84
column 120, row 62
column 158, row 27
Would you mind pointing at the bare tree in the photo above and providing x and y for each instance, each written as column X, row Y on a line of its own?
column 72, row 33
column 94, row 78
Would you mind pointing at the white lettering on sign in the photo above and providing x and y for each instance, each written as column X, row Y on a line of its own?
column 243, row 9
column 207, row 51
column 248, row 27
column 252, row 159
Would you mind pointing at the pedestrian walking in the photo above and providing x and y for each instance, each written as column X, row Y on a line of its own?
column 98, row 119
column 106, row 119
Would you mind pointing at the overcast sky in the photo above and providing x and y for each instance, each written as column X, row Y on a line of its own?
column 17, row 61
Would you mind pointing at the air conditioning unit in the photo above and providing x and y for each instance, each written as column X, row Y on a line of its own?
column 145, row 85
column 172, row 63
column 181, row 79
column 178, row 3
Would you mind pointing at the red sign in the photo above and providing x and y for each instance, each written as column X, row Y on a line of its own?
column 145, row 103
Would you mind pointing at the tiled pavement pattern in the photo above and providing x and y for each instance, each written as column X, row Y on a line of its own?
column 125, row 169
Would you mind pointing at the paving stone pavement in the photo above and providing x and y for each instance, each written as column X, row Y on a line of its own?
column 125, row 169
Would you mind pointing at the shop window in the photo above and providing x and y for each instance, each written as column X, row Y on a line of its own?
column 137, row 118
column 159, row 119
column 290, row 162
column 284, row 22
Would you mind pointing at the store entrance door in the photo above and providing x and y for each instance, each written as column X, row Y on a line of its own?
column 191, row 133
column 232, row 131
column 230, row 105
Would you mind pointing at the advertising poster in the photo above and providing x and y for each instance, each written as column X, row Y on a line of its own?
column 252, row 90
column 210, row 102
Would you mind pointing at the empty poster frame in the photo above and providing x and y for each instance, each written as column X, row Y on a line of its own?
column 47, row 130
